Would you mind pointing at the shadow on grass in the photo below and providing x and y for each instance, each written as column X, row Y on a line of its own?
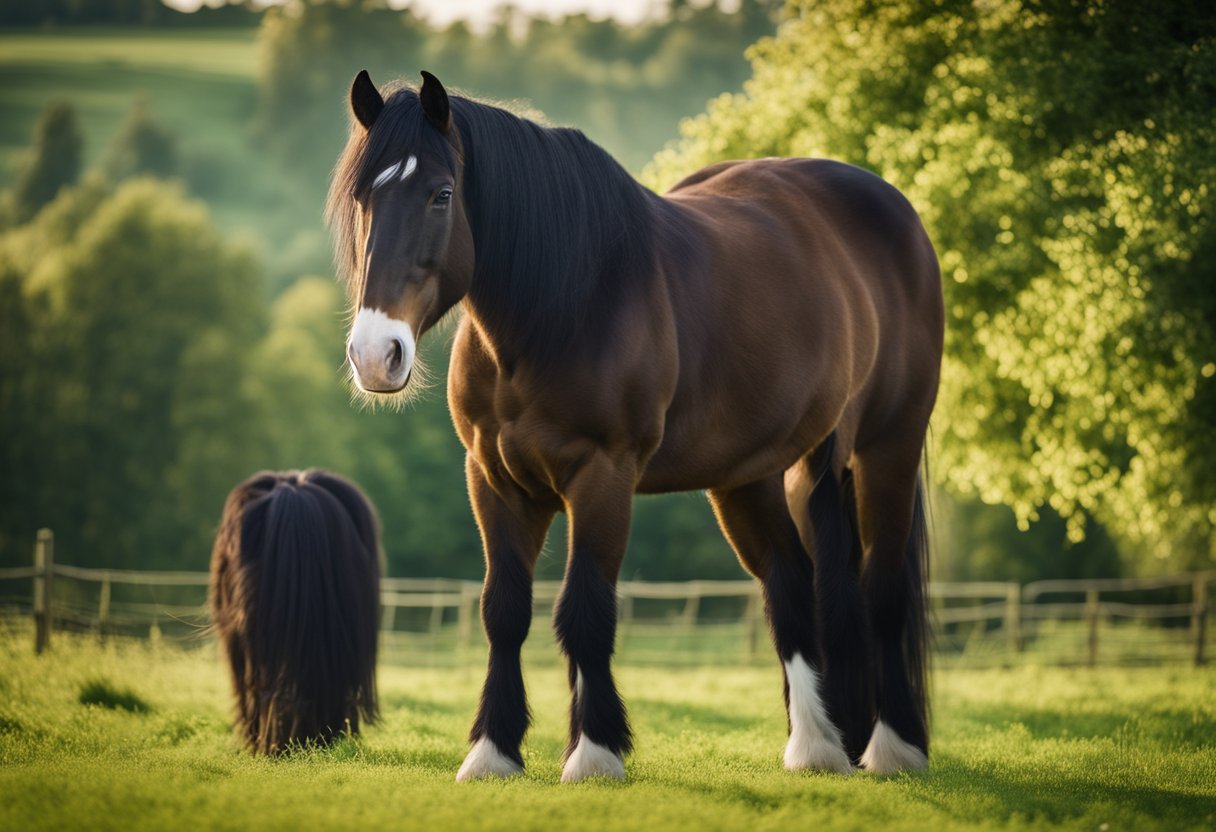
column 103, row 693
column 975, row 794
column 394, row 701
column 1170, row 726
column 672, row 717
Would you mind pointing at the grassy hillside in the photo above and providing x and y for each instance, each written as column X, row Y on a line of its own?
column 1023, row 749
column 200, row 83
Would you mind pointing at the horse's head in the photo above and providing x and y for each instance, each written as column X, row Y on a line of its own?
column 399, row 226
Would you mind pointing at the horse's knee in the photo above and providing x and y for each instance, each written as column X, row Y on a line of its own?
column 585, row 617
column 506, row 603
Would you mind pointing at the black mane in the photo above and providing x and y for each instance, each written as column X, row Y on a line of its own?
column 560, row 229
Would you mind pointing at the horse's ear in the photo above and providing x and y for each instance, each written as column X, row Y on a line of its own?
column 435, row 102
column 365, row 100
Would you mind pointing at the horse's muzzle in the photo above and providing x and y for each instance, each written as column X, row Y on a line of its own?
column 381, row 351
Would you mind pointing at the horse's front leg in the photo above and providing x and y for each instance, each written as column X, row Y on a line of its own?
column 513, row 528
column 599, row 502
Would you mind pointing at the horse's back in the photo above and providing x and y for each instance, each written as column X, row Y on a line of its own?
column 827, row 269
column 845, row 197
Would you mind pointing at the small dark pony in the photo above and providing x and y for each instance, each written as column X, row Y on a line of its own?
column 295, row 600
column 768, row 331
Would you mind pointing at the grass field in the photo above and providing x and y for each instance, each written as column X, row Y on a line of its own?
column 1031, row 748
column 199, row 83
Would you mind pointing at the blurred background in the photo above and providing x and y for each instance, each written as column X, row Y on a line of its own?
column 169, row 320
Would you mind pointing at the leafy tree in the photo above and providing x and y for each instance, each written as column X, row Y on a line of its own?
column 1061, row 156
column 142, row 147
column 133, row 288
column 54, row 160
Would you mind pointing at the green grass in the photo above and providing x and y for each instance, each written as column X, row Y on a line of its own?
column 1029, row 748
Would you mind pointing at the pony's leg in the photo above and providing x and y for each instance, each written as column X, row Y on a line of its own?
column 891, row 521
column 599, row 501
column 513, row 531
column 756, row 520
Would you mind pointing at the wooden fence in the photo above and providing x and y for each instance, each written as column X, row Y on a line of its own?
column 1004, row 616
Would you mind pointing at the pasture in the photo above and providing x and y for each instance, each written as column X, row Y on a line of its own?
column 200, row 83
column 1024, row 748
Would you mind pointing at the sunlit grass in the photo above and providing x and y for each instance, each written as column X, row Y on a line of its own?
column 1014, row 749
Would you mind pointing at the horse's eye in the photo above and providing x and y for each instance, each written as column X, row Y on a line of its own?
column 443, row 196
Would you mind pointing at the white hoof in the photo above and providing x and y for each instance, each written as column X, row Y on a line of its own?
column 591, row 760
column 485, row 760
column 814, row 741
column 888, row 754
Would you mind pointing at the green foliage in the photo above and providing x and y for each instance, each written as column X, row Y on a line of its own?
column 626, row 86
column 1062, row 158
column 54, row 160
column 127, row 287
column 1024, row 749
column 143, row 147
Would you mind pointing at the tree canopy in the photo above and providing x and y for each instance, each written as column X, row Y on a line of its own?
column 1061, row 155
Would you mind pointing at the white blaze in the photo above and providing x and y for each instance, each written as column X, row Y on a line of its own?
column 404, row 168
column 372, row 343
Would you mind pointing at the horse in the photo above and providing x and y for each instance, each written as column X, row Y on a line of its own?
column 295, row 599
column 769, row 331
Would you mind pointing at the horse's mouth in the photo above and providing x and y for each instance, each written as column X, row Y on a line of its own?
column 388, row 391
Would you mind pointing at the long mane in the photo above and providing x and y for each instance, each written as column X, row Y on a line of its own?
column 560, row 229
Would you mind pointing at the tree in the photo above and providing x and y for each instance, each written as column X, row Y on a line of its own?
column 54, row 160
column 143, row 147
column 1061, row 156
column 143, row 313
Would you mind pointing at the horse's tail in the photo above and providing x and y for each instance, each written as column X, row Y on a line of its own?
column 296, row 599
column 916, row 630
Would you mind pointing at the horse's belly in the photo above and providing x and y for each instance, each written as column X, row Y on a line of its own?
column 733, row 453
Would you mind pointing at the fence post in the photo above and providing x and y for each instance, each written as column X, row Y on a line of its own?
column 464, row 619
column 1199, row 615
column 1013, row 618
column 436, row 613
column 753, row 613
column 624, row 616
column 1091, row 616
column 103, row 606
column 691, row 606
column 44, row 562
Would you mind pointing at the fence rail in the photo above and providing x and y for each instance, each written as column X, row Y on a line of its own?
column 1004, row 616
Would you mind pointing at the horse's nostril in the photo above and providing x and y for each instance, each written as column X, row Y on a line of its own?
column 395, row 354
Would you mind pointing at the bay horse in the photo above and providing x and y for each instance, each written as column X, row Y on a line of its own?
column 295, row 600
column 769, row 331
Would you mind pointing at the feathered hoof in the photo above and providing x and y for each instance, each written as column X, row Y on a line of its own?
column 888, row 754
column 807, row 754
column 592, row 760
column 485, row 760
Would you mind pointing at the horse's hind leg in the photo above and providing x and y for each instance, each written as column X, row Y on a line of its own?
column 513, row 530
column 757, row 522
column 820, row 499
column 891, row 519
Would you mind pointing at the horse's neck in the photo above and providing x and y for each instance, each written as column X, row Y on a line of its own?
column 537, row 321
